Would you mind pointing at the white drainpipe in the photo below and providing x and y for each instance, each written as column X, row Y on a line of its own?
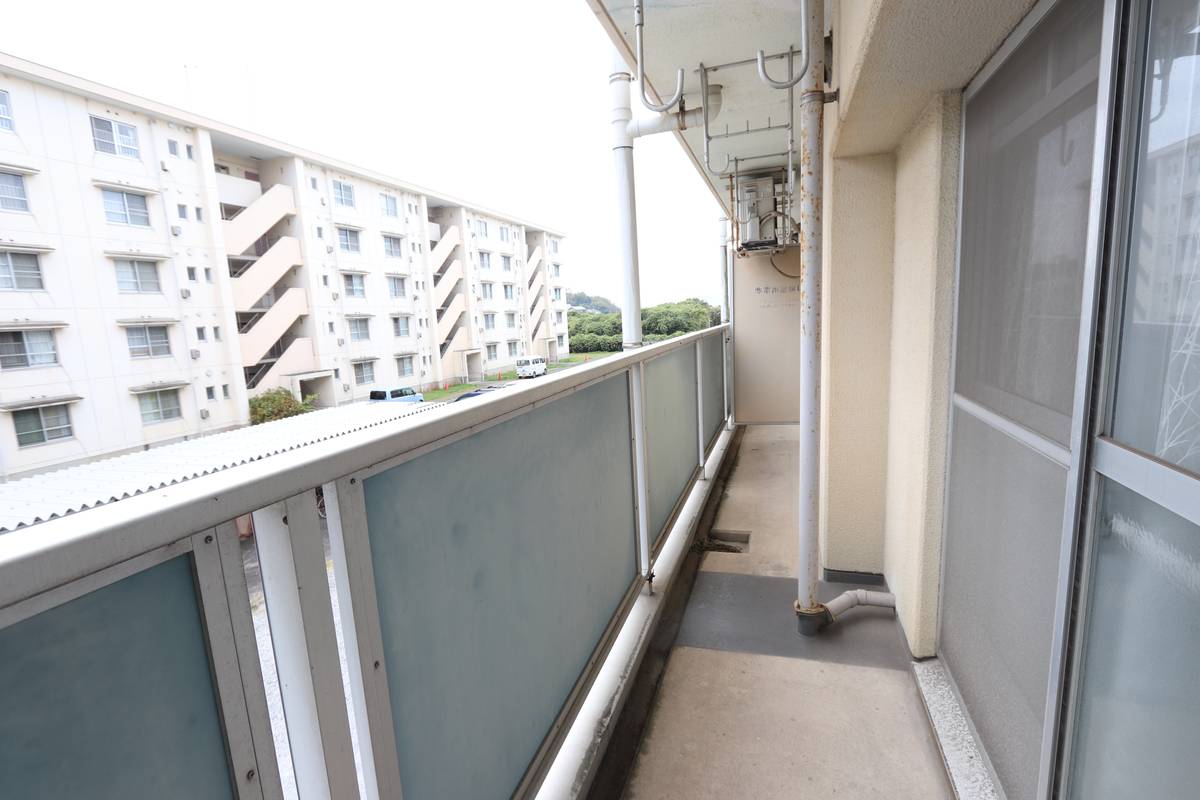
column 811, row 613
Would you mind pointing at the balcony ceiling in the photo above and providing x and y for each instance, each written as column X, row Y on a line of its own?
column 684, row 33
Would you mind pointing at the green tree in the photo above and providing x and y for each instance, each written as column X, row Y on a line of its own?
column 278, row 404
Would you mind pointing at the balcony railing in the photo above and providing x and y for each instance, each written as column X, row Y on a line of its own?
column 489, row 577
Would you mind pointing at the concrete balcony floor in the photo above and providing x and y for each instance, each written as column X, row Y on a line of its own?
column 747, row 708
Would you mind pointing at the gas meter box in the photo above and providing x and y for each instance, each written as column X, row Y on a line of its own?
column 767, row 303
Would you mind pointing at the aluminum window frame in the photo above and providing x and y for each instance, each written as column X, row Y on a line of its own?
column 160, row 410
column 11, row 274
column 354, row 284
column 1077, row 452
column 364, row 373
column 30, row 355
column 126, row 215
column 404, row 366
column 122, row 137
column 343, row 193
column 389, row 204
column 153, row 344
column 67, row 430
column 359, row 328
column 393, row 246
column 397, row 286
column 139, row 283
column 6, row 113
column 349, row 240
column 401, row 326
column 13, row 194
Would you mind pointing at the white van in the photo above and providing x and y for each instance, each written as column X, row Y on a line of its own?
column 531, row 367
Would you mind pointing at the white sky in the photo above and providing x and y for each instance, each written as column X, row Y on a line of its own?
column 503, row 103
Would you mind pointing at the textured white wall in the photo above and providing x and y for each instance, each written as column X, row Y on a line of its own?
column 922, row 318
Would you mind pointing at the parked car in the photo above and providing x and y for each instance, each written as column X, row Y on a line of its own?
column 531, row 367
column 475, row 393
column 405, row 394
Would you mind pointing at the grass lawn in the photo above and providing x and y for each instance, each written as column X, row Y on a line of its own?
column 438, row 395
column 575, row 359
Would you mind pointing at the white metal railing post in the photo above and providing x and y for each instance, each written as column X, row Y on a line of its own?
column 360, row 725
column 700, row 407
column 641, row 478
column 295, row 586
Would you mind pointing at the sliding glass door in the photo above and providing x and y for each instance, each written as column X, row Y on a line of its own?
column 1134, row 722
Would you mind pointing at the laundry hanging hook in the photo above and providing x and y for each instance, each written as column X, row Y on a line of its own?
column 638, row 23
column 793, row 79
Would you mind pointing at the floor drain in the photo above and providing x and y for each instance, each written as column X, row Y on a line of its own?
column 728, row 541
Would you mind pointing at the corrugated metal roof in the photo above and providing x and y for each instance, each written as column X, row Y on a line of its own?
column 38, row 498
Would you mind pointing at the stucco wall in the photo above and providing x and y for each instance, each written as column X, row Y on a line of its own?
column 857, row 309
column 921, row 314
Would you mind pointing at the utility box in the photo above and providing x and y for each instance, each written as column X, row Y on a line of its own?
column 767, row 304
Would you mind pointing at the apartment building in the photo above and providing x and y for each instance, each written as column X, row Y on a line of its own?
column 157, row 269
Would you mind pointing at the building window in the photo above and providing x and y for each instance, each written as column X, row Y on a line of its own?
column 558, row 317
column 400, row 326
column 485, row 290
column 137, row 277
column 506, row 263
column 114, row 137
column 343, row 194
column 396, row 286
column 312, row 182
column 210, row 392
column 558, row 294
column 148, row 341
column 348, row 240
column 481, row 228
column 554, row 245
column 21, row 349
column 485, row 260
column 355, row 285
column 181, row 209
column 393, row 246
column 508, row 291
column 561, row 340
column 12, row 192
column 201, row 334
column 360, row 329
column 558, row 270
column 126, row 208
column 320, row 232
column 491, row 352
column 489, row 322
column 20, row 271
column 504, row 233
column 364, row 372
column 512, row 348
column 6, row 118
column 389, row 205
column 41, row 425
column 191, row 153
column 208, row 274
column 199, row 214
column 172, row 147
column 331, row 327
column 404, row 366
column 225, row 390
column 217, row 333
column 159, row 406
column 191, row 274
column 510, row 319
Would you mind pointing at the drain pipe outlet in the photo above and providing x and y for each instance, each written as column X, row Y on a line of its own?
column 678, row 120
column 810, row 623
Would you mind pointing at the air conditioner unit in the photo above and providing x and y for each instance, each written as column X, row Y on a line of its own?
column 163, row 164
column 204, row 413
column 176, row 230
column 195, row 354
column 345, row 387
column 328, row 248
column 341, row 342
column 322, row 201
column 335, row 295
column 185, row 293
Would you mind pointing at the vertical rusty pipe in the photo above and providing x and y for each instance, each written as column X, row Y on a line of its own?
column 812, row 106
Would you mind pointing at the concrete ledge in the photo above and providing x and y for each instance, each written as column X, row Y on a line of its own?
column 967, row 765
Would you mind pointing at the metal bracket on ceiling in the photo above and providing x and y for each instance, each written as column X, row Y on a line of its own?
column 638, row 24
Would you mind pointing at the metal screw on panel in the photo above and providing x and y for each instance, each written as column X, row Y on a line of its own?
column 250, row 775
column 353, row 480
column 208, row 539
column 376, row 665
